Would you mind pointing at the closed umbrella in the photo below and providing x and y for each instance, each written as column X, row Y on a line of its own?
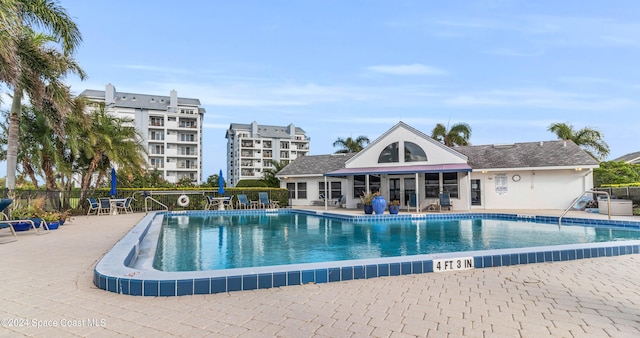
column 114, row 183
column 220, row 183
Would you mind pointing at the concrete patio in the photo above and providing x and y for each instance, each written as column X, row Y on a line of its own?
column 46, row 289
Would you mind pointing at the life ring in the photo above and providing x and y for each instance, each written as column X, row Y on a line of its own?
column 183, row 200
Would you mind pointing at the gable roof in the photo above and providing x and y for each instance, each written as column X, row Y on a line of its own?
column 629, row 158
column 414, row 131
column 557, row 153
column 315, row 165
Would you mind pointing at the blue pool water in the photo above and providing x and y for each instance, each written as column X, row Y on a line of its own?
column 217, row 242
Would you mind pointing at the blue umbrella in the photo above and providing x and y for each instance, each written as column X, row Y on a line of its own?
column 220, row 183
column 113, row 183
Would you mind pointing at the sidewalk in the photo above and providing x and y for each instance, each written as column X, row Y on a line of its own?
column 47, row 280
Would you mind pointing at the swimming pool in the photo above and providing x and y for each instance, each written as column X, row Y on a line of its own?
column 208, row 242
column 128, row 267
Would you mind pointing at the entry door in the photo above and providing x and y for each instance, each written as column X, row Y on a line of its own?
column 476, row 193
column 409, row 188
column 394, row 189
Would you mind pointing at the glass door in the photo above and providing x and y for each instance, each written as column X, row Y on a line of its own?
column 476, row 193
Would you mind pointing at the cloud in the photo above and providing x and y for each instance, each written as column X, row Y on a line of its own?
column 413, row 69
column 539, row 98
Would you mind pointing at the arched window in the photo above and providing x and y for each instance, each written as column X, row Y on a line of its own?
column 413, row 152
column 389, row 154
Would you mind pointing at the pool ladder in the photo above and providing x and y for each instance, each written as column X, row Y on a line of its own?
column 578, row 198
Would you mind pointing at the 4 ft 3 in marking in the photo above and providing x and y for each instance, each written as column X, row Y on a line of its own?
column 451, row 264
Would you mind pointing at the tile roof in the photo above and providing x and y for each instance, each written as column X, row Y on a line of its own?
column 628, row 157
column 315, row 164
column 557, row 153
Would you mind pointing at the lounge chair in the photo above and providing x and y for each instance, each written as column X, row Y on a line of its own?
column 445, row 201
column 4, row 223
column 265, row 202
column 243, row 202
column 338, row 202
column 93, row 206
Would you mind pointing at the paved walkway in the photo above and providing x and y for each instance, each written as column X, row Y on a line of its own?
column 47, row 281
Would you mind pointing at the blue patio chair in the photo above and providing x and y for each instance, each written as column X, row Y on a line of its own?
column 338, row 202
column 210, row 202
column 243, row 202
column 93, row 206
column 413, row 202
column 445, row 201
column 105, row 206
column 126, row 205
column 228, row 203
column 265, row 202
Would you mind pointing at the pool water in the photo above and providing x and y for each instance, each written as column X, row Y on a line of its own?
column 198, row 243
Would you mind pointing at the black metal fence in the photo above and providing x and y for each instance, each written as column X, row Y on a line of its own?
column 71, row 200
column 626, row 193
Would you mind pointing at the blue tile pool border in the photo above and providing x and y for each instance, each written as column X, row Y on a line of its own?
column 114, row 272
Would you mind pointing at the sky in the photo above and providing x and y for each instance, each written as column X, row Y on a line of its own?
column 346, row 68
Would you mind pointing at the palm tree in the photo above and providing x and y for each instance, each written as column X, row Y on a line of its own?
column 458, row 135
column 587, row 138
column 106, row 141
column 30, row 65
column 269, row 176
column 350, row 145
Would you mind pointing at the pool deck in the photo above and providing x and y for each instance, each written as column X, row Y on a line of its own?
column 47, row 280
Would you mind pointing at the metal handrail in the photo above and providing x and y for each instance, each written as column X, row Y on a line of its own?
column 146, row 199
column 585, row 192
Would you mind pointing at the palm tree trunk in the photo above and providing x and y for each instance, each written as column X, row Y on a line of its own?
column 14, row 136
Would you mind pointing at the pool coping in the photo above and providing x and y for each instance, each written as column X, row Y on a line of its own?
column 114, row 272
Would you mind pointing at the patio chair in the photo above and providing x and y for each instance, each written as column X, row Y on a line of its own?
column 338, row 202
column 265, row 202
column 210, row 202
column 413, row 202
column 93, row 206
column 445, row 201
column 126, row 205
column 228, row 203
column 243, row 202
column 105, row 206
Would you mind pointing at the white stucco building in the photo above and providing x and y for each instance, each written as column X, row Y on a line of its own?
column 251, row 147
column 404, row 161
column 171, row 128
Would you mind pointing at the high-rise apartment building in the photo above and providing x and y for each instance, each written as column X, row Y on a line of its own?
column 250, row 147
column 171, row 128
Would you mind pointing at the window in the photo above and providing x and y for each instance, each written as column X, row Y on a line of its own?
column 291, row 187
column 302, row 190
column 431, row 185
column 450, row 184
column 157, row 135
column 359, row 187
column 389, row 154
column 413, row 152
column 334, row 192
